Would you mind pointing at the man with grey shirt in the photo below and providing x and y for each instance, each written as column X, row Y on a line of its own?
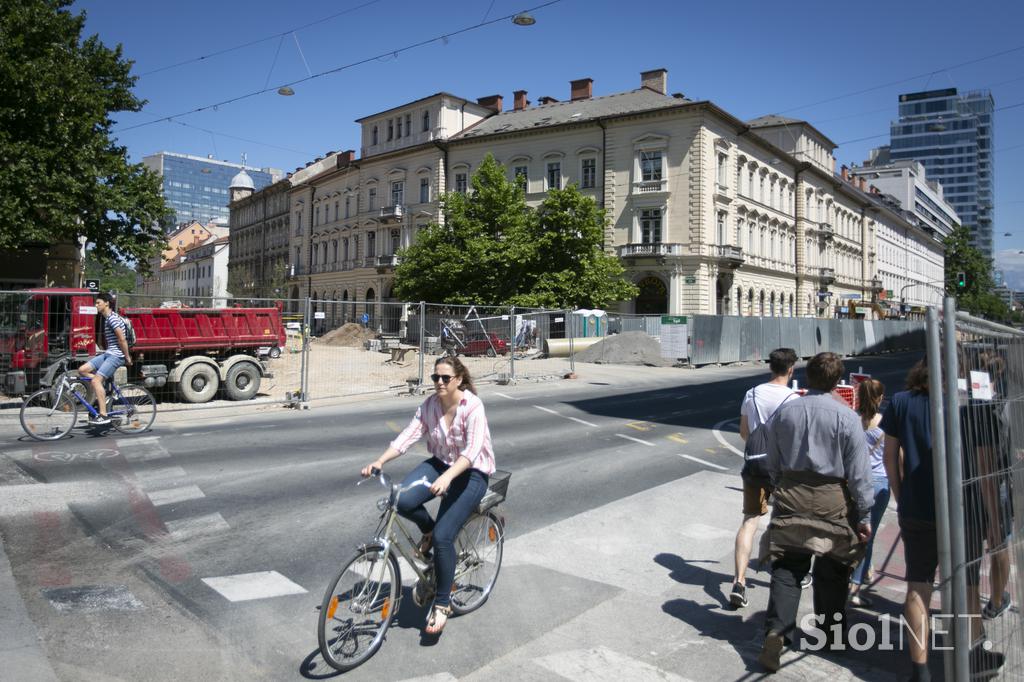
column 821, row 473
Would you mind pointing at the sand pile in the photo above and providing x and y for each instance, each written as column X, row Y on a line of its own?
column 627, row 348
column 350, row 334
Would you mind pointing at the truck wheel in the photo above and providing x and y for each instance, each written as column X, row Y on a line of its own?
column 199, row 383
column 243, row 382
column 275, row 352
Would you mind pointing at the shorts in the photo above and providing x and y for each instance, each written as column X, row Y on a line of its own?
column 756, row 491
column 106, row 364
column 921, row 552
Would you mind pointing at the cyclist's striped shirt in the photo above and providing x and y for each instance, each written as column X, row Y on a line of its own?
column 469, row 436
column 113, row 322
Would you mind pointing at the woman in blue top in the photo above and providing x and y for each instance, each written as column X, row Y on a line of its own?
column 869, row 399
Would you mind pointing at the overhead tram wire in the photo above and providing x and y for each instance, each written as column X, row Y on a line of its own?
column 388, row 53
column 259, row 40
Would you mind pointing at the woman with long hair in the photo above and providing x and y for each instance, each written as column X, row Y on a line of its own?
column 869, row 399
column 461, row 462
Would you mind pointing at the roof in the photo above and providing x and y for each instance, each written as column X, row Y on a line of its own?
column 562, row 113
column 417, row 101
column 242, row 181
column 773, row 120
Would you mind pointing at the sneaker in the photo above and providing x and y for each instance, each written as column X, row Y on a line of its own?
column 771, row 652
column 990, row 611
column 985, row 662
column 738, row 598
column 806, row 582
column 99, row 420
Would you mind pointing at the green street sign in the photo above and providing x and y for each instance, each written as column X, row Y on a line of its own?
column 673, row 319
column 691, row 280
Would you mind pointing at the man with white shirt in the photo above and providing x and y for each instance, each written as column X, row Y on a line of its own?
column 759, row 404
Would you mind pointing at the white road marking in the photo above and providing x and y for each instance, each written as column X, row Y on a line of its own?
column 721, row 439
column 150, row 450
column 248, row 586
column 698, row 460
column 128, row 442
column 182, row 529
column 582, row 421
column 437, row 677
column 505, row 395
column 635, row 440
column 549, row 411
column 602, row 664
column 575, row 419
column 159, row 478
column 174, row 495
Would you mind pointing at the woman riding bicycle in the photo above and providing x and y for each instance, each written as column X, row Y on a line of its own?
column 462, row 460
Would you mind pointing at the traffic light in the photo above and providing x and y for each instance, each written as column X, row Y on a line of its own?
column 961, row 280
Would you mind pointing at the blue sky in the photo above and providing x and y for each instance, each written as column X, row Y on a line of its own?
column 752, row 58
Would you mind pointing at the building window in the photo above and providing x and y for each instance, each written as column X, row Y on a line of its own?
column 371, row 244
column 650, row 166
column 355, row 246
column 650, row 225
column 397, row 193
column 555, row 175
column 391, row 129
column 723, row 238
column 723, row 171
column 395, row 240
column 316, row 217
column 344, row 249
column 522, row 176
column 398, row 132
column 460, row 183
column 375, row 132
column 371, row 198
column 348, row 204
column 426, row 121
column 335, row 210
column 408, row 124
column 588, row 174
column 424, row 190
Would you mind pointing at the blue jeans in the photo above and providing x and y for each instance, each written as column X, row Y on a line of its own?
column 464, row 494
column 877, row 509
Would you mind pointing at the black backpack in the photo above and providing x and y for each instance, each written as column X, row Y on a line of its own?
column 755, row 452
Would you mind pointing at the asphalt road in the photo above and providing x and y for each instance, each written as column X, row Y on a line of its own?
column 116, row 544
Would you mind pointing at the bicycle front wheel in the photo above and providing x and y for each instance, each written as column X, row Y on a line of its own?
column 46, row 417
column 134, row 411
column 358, row 607
column 478, row 546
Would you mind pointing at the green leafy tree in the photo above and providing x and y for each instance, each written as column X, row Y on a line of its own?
column 62, row 177
column 116, row 277
column 976, row 297
column 494, row 249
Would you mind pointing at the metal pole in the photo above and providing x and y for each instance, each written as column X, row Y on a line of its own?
column 512, row 336
column 304, row 369
column 423, row 337
column 935, row 393
column 572, row 351
column 954, row 484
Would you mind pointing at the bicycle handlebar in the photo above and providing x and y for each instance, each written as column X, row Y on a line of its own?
column 385, row 480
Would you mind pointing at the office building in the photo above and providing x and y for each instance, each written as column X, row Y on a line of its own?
column 922, row 198
column 197, row 188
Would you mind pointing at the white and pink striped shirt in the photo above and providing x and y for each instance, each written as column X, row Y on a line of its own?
column 469, row 435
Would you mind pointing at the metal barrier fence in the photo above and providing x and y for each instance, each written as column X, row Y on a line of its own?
column 979, row 488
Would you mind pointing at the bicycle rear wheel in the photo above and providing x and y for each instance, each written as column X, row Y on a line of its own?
column 478, row 546
column 358, row 607
column 134, row 411
column 46, row 417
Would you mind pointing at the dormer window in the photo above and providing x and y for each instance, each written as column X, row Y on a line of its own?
column 398, row 134
column 375, row 135
column 391, row 129
column 408, row 124
column 426, row 121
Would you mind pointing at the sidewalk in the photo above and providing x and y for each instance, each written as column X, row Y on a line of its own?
column 666, row 557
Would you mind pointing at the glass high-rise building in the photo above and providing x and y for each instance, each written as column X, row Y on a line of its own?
column 951, row 135
column 196, row 188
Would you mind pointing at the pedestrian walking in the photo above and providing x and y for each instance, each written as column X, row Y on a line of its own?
column 821, row 476
column 869, row 398
column 759, row 406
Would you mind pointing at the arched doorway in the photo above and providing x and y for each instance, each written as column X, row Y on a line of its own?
column 653, row 297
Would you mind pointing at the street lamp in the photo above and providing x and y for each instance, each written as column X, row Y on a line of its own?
column 523, row 19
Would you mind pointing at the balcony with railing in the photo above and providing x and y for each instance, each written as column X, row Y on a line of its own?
column 647, row 186
column 386, row 262
column 826, row 230
column 728, row 255
column 392, row 214
column 826, row 276
column 650, row 250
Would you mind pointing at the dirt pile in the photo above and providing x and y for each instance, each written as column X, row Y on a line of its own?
column 627, row 348
column 350, row 335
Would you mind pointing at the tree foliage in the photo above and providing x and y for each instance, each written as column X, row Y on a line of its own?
column 62, row 176
column 977, row 296
column 116, row 277
column 494, row 249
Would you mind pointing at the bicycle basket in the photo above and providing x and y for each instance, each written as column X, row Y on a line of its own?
column 497, row 488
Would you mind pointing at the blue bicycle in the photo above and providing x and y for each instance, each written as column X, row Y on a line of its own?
column 51, row 413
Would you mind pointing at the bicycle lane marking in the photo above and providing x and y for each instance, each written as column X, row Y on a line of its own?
column 575, row 419
column 721, row 439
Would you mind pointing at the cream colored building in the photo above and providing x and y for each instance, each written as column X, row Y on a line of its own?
column 260, row 237
column 708, row 213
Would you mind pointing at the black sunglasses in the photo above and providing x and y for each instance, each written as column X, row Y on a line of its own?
column 444, row 378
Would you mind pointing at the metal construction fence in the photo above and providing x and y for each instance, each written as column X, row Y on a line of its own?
column 723, row 338
column 978, row 455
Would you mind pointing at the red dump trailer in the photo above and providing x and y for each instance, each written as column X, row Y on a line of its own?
column 197, row 351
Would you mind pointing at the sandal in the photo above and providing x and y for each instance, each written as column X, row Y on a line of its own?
column 438, row 619
column 426, row 542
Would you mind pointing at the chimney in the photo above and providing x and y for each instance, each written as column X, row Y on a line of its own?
column 656, row 79
column 493, row 102
column 582, row 88
column 862, row 184
column 547, row 100
column 520, row 100
column 845, row 172
column 346, row 157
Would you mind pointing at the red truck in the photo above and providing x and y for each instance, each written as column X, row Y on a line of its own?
column 195, row 350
